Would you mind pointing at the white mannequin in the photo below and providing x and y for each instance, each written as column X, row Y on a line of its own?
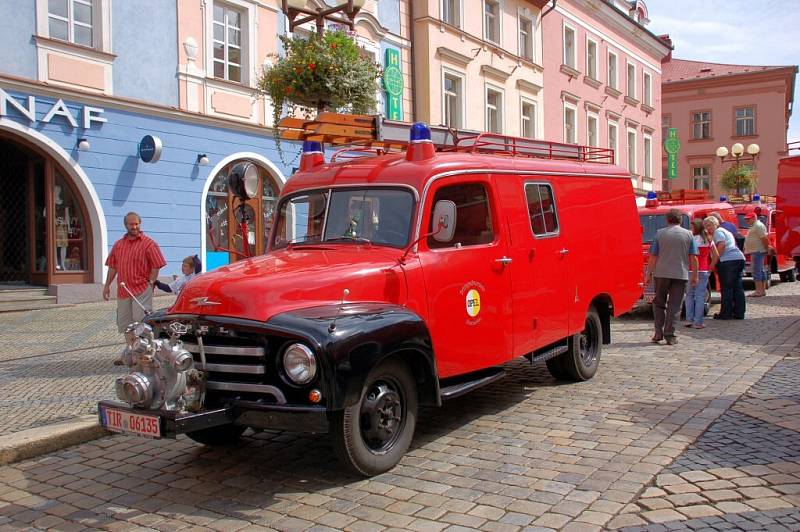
column 62, row 228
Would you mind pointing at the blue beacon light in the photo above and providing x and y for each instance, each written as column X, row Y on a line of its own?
column 723, row 198
column 310, row 146
column 651, row 195
column 420, row 133
column 756, row 198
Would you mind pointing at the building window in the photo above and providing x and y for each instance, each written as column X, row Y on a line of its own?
column 647, row 84
column 451, row 12
column 528, row 127
column 701, row 178
column 613, row 140
column 569, row 47
column 570, row 124
column 666, row 124
column 491, row 20
column 228, row 43
column 745, row 121
column 591, row 58
column 631, row 81
column 526, row 38
column 632, row 151
column 592, row 130
column 494, row 110
column 701, row 125
column 71, row 21
column 453, row 100
column 612, row 70
column 647, row 170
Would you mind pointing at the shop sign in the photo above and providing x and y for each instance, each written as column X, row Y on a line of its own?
column 393, row 84
column 150, row 149
column 672, row 146
column 87, row 115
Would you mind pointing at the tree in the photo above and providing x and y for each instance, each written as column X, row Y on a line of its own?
column 737, row 179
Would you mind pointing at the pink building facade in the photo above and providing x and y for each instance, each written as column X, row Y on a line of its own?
column 713, row 105
column 602, row 79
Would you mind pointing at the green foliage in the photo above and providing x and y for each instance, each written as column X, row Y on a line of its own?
column 738, row 179
column 328, row 72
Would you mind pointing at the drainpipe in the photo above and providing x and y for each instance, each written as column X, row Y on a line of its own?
column 549, row 9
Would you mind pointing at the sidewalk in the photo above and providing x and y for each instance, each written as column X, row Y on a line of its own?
column 55, row 364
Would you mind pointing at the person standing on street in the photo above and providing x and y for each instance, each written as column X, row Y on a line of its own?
column 756, row 243
column 135, row 260
column 673, row 262
column 696, row 295
column 729, row 269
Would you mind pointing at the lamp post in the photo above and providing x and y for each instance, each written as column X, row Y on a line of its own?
column 295, row 8
column 736, row 154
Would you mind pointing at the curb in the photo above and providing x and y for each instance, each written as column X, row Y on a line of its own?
column 40, row 440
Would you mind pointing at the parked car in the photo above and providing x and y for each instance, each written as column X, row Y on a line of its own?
column 693, row 204
column 787, row 226
column 392, row 282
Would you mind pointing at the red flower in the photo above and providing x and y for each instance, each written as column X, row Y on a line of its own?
column 312, row 66
column 287, row 90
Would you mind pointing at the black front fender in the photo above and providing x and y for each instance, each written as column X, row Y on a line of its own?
column 351, row 339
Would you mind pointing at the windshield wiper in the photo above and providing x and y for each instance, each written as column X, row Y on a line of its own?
column 353, row 238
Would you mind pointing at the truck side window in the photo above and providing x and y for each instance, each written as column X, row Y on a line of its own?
column 541, row 209
column 473, row 216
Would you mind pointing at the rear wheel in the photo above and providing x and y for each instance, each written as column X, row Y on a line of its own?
column 789, row 276
column 582, row 359
column 218, row 436
column 372, row 435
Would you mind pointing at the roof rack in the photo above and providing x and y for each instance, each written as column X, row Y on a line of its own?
column 683, row 196
column 365, row 135
column 747, row 199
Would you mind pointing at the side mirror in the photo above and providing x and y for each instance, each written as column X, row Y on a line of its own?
column 444, row 220
column 243, row 180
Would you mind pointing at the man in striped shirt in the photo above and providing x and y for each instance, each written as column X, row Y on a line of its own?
column 134, row 260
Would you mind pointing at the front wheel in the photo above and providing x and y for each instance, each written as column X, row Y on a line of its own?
column 372, row 435
column 582, row 358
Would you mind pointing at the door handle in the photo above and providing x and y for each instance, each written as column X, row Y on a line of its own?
column 563, row 252
column 503, row 260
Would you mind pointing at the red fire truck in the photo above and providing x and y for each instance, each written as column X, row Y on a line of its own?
column 776, row 261
column 392, row 281
column 693, row 204
column 788, row 204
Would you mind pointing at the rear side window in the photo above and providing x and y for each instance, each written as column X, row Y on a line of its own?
column 541, row 209
column 473, row 215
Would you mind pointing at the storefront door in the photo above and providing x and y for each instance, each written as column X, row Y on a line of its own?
column 44, row 238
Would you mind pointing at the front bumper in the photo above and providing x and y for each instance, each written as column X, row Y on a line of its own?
column 262, row 416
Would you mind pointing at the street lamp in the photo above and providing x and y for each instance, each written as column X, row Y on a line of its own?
column 737, row 154
column 295, row 8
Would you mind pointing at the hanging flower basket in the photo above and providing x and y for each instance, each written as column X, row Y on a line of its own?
column 328, row 72
column 738, row 179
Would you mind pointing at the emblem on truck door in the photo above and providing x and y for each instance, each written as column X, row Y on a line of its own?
column 472, row 301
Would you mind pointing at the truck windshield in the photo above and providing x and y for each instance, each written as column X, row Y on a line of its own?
column 651, row 223
column 378, row 216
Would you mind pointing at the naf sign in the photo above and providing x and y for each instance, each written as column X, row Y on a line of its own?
column 86, row 116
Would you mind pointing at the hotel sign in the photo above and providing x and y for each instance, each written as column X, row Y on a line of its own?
column 393, row 85
column 86, row 116
column 672, row 146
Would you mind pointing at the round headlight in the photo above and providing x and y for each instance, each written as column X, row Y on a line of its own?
column 299, row 363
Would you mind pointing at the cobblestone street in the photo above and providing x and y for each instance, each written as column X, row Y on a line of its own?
column 703, row 434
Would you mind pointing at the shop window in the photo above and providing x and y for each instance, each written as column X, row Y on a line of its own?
column 223, row 218
column 70, row 242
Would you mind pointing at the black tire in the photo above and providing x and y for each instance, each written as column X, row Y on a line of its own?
column 555, row 366
column 371, row 436
column 220, row 436
column 791, row 275
column 707, row 303
column 783, row 277
column 582, row 358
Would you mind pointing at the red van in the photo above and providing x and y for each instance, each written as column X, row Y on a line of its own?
column 768, row 214
column 392, row 282
column 788, row 204
column 693, row 204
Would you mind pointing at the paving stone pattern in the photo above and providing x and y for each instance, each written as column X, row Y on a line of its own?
column 56, row 364
column 526, row 452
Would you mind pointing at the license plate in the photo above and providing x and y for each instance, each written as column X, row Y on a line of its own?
column 131, row 423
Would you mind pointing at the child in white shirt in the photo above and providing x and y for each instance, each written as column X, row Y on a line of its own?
column 190, row 267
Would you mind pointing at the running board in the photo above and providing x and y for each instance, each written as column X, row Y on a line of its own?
column 547, row 354
column 476, row 380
